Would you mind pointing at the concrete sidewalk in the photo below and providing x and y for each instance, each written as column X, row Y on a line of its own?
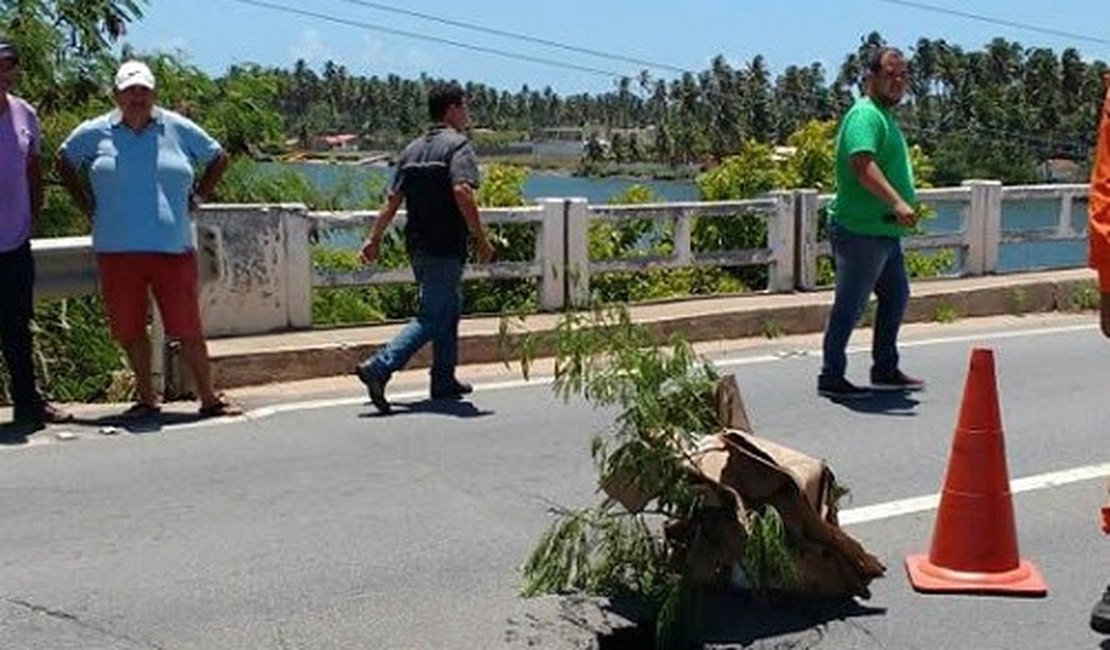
column 294, row 356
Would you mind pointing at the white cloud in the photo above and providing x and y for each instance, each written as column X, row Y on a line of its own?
column 311, row 48
column 418, row 58
column 372, row 52
column 379, row 57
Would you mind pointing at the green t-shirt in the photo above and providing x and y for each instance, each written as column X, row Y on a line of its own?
column 868, row 127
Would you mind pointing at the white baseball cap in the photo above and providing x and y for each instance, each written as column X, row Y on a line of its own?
column 134, row 73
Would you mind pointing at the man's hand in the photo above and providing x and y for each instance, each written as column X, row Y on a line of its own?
column 485, row 250
column 371, row 248
column 904, row 215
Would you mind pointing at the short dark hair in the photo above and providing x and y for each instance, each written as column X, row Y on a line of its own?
column 874, row 62
column 442, row 96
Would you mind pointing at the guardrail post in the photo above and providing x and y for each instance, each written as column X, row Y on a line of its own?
column 1064, row 229
column 298, row 266
column 806, row 216
column 984, row 226
column 780, row 239
column 551, row 254
column 683, row 237
column 577, row 236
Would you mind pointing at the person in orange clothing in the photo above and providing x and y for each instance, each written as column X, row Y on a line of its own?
column 1099, row 206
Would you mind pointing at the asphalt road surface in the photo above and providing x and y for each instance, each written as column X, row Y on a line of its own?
column 321, row 525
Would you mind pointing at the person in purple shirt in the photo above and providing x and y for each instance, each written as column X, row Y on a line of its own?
column 21, row 197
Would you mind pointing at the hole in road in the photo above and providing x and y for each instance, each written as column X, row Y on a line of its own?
column 640, row 637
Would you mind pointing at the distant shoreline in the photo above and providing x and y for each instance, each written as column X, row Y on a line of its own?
column 380, row 160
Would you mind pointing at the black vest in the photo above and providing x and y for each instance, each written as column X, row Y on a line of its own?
column 435, row 224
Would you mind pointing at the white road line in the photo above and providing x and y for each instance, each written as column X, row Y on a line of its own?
column 274, row 409
column 312, row 405
column 268, row 411
column 926, row 503
column 963, row 338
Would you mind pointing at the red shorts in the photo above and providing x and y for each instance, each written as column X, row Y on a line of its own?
column 128, row 279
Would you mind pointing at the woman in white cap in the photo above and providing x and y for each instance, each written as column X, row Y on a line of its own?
column 138, row 161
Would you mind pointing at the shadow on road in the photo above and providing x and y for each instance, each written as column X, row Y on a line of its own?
column 882, row 403
column 142, row 425
column 736, row 619
column 1105, row 645
column 451, row 408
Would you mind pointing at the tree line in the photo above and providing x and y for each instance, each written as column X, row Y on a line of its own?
column 997, row 112
column 994, row 112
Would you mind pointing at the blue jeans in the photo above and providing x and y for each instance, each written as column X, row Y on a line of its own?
column 439, row 278
column 865, row 263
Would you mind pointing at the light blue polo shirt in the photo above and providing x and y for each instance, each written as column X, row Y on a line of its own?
column 141, row 181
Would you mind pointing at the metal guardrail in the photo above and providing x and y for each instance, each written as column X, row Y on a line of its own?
column 66, row 266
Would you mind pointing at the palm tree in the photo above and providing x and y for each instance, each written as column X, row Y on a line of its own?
column 90, row 26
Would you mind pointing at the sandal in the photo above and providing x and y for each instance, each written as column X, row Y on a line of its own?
column 140, row 411
column 222, row 407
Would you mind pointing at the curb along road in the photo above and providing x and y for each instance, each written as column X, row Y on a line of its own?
column 295, row 356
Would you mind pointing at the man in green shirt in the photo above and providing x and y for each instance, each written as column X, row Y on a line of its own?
column 872, row 211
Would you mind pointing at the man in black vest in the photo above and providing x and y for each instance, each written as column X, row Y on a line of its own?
column 436, row 177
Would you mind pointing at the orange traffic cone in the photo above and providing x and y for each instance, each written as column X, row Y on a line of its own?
column 975, row 547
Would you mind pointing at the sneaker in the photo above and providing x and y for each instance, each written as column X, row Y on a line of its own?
column 375, row 388
column 840, row 388
column 454, row 390
column 898, row 380
column 1100, row 616
column 23, row 425
column 13, row 435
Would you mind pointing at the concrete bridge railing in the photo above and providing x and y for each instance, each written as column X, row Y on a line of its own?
column 561, row 263
column 256, row 260
column 987, row 210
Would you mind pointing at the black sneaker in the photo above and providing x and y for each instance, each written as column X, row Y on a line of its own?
column 1100, row 616
column 840, row 388
column 454, row 390
column 896, row 381
column 15, row 434
column 375, row 388
column 27, row 423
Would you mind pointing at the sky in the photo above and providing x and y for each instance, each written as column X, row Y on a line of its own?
column 683, row 34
